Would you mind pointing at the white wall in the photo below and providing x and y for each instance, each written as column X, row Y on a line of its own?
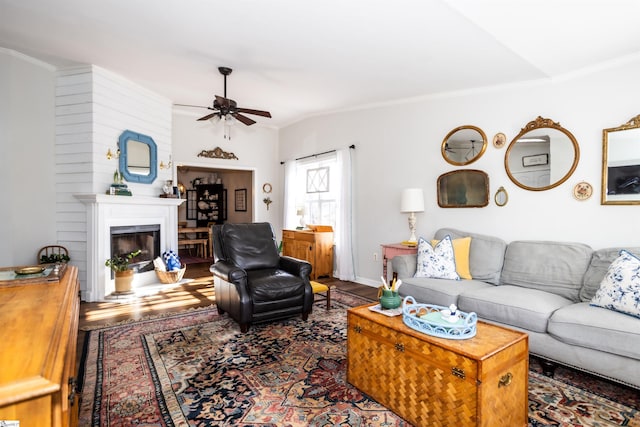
column 255, row 146
column 27, row 216
column 398, row 146
column 93, row 107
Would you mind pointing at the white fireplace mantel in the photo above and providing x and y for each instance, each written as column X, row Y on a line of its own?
column 105, row 211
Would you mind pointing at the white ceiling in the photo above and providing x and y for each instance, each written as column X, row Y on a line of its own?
column 300, row 58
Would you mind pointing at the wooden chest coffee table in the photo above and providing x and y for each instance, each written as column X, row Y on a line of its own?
column 429, row 381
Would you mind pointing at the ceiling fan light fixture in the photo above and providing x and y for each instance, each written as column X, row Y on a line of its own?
column 229, row 120
column 215, row 119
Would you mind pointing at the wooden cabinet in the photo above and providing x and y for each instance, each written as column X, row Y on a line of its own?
column 207, row 204
column 315, row 247
column 429, row 381
column 38, row 358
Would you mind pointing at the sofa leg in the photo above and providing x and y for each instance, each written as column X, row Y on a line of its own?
column 548, row 367
column 244, row 327
column 305, row 316
column 220, row 311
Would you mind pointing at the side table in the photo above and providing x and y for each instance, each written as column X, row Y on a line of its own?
column 390, row 250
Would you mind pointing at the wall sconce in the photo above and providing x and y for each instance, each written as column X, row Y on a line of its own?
column 162, row 165
column 110, row 154
column 412, row 201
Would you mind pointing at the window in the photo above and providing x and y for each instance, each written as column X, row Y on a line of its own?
column 315, row 193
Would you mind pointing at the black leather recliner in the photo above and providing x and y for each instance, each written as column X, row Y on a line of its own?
column 253, row 283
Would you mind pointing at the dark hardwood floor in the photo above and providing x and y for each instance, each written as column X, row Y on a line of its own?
column 198, row 293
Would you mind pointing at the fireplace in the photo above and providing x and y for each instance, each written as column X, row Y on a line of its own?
column 151, row 218
column 130, row 238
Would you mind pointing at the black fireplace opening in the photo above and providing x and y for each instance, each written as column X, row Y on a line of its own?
column 130, row 238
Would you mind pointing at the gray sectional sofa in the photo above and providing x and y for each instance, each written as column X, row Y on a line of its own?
column 544, row 289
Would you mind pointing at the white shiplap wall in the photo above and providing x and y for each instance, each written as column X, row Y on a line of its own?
column 93, row 107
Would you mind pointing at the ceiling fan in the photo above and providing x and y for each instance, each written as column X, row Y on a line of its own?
column 226, row 109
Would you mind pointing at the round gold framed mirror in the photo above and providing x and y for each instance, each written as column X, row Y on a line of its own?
column 464, row 145
column 542, row 156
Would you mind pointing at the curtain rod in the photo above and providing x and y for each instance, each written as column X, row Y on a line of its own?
column 352, row 146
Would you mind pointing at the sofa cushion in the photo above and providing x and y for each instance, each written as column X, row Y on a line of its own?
column 513, row 305
column 555, row 267
column 600, row 262
column 461, row 254
column 486, row 253
column 438, row 291
column 596, row 328
column 620, row 288
column 437, row 262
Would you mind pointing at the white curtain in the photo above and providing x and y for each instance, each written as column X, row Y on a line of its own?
column 343, row 231
column 344, row 258
column 289, row 195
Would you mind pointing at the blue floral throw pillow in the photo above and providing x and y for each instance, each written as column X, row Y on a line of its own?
column 620, row 288
column 436, row 262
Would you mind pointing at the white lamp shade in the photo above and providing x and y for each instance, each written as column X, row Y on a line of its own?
column 412, row 200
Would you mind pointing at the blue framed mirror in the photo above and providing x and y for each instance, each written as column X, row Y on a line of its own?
column 138, row 157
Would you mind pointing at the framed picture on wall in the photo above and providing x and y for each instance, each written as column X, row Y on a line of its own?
column 241, row 200
column 535, row 160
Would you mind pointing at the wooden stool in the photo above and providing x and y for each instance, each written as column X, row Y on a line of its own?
column 200, row 244
column 323, row 290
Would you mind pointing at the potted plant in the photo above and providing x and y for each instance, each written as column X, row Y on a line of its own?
column 120, row 266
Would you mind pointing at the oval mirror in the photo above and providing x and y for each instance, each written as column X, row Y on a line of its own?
column 542, row 156
column 621, row 164
column 138, row 157
column 501, row 197
column 464, row 145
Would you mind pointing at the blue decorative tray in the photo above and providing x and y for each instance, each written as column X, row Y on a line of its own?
column 427, row 318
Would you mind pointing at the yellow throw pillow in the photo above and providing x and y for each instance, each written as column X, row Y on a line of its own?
column 461, row 254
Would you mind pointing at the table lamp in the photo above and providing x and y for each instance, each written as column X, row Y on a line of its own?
column 300, row 213
column 412, row 201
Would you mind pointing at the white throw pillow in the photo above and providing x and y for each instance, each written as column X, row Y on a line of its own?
column 620, row 287
column 436, row 262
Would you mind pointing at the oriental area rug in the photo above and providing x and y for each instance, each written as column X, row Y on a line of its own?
column 197, row 369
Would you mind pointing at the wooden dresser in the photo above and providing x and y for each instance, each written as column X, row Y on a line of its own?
column 38, row 359
column 429, row 381
column 314, row 246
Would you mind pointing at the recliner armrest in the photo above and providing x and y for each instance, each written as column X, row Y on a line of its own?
column 228, row 271
column 295, row 266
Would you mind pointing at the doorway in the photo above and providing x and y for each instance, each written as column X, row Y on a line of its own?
column 213, row 196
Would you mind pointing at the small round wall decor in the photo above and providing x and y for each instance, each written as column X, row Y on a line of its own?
column 266, row 188
column 499, row 140
column 582, row 190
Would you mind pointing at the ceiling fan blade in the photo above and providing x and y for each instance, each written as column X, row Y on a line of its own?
column 189, row 105
column 256, row 112
column 244, row 119
column 207, row 117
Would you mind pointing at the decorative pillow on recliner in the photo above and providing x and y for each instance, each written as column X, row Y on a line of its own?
column 436, row 262
column 461, row 249
column 620, row 288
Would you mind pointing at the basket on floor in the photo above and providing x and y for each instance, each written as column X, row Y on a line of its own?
column 171, row 276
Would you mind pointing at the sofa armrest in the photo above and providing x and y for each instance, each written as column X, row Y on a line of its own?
column 404, row 265
column 295, row 266
column 228, row 271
